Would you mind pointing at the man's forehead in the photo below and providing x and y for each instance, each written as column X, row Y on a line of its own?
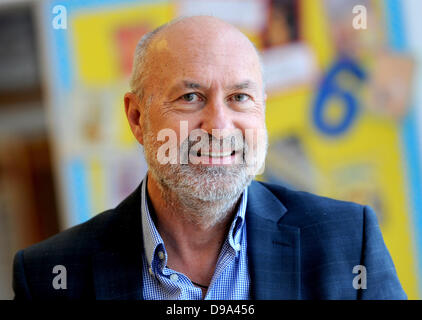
column 191, row 55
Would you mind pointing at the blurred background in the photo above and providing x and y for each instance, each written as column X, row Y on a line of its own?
column 344, row 109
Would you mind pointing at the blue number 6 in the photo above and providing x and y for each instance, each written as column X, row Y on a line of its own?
column 330, row 89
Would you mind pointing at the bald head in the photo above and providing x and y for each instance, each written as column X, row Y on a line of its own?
column 187, row 39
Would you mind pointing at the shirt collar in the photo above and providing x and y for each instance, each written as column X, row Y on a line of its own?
column 153, row 241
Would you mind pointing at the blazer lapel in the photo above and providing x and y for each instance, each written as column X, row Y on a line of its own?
column 273, row 248
column 117, row 269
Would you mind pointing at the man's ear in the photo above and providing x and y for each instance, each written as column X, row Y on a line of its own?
column 134, row 115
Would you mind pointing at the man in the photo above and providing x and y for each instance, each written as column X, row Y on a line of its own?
column 198, row 227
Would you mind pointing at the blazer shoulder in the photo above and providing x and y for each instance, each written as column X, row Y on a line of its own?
column 84, row 237
column 111, row 232
column 72, row 248
column 101, row 230
column 307, row 208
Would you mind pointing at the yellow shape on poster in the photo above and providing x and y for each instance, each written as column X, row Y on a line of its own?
column 285, row 111
column 93, row 38
column 315, row 31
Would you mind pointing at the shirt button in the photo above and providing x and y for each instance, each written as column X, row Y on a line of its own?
column 237, row 247
column 161, row 255
column 174, row 277
column 150, row 271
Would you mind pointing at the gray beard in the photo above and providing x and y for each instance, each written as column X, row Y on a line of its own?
column 205, row 195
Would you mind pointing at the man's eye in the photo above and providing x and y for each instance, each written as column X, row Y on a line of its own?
column 240, row 97
column 190, row 97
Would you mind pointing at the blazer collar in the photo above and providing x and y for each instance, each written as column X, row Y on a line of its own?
column 273, row 247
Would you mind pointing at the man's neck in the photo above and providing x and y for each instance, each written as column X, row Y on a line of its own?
column 191, row 245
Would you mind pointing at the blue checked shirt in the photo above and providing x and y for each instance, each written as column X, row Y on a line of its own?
column 230, row 281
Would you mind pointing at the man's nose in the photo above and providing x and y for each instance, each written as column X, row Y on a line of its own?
column 217, row 119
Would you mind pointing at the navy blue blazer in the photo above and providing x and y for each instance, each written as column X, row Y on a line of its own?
column 300, row 246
